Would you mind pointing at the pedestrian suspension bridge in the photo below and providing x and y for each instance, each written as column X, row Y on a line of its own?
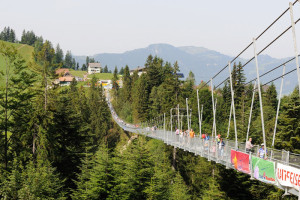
column 278, row 167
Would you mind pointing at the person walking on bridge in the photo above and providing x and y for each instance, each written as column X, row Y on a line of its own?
column 249, row 145
column 221, row 145
column 192, row 134
column 206, row 137
column 262, row 153
column 206, row 141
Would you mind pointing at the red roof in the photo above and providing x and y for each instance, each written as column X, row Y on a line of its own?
column 62, row 71
column 66, row 79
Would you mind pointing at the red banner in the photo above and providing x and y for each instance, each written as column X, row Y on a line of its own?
column 240, row 161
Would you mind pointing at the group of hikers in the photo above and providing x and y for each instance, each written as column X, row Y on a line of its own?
column 205, row 137
column 220, row 144
column 262, row 153
column 186, row 133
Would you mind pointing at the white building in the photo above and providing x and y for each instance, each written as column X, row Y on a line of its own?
column 139, row 69
column 94, row 68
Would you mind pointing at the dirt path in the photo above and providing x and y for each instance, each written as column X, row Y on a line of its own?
column 21, row 46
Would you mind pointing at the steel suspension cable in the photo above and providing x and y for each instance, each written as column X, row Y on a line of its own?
column 271, row 70
column 252, row 90
column 279, row 77
column 252, row 43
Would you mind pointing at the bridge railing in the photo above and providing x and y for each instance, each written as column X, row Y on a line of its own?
column 210, row 148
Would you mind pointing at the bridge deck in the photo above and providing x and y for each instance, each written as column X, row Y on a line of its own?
column 209, row 150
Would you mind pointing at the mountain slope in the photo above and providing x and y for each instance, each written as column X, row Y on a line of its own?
column 203, row 62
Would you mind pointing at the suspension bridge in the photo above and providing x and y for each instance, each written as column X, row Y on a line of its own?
column 280, row 168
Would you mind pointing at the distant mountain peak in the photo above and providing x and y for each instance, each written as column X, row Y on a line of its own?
column 202, row 61
column 160, row 45
column 194, row 50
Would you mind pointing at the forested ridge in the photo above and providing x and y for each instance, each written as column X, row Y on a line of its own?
column 61, row 142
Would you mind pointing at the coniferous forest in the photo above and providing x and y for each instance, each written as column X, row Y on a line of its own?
column 62, row 143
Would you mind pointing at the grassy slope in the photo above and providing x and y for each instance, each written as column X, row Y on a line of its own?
column 24, row 50
column 77, row 73
column 102, row 76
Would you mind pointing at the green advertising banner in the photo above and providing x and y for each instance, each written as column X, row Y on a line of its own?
column 263, row 170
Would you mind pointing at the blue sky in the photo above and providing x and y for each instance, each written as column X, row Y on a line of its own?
column 113, row 26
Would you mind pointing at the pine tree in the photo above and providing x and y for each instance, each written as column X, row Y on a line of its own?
column 114, row 81
column 132, row 172
column 28, row 37
column 68, row 60
column 140, row 99
column 155, row 103
column 92, row 60
column 11, row 183
column 121, row 72
column 12, row 36
column 154, row 71
column 191, row 78
column 105, row 70
column 271, row 96
column 16, row 96
column 288, row 134
column 40, row 181
column 84, row 67
column 178, row 190
column 87, row 61
column 176, row 81
column 82, row 181
column 158, row 187
column 213, row 191
column 94, row 180
column 126, row 90
column 8, row 35
column 73, row 63
column 45, row 58
column 38, row 45
column 59, row 55
column 98, row 116
column 100, row 176
column 65, row 135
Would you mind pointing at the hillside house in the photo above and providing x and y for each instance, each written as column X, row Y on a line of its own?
column 94, row 68
column 63, row 72
column 65, row 81
column 139, row 69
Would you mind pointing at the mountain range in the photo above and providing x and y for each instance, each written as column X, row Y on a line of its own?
column 203, row 62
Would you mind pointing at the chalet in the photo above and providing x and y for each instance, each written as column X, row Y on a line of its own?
column 65, row 81
column 139, row 69
column 63, row 72
column 94, row 68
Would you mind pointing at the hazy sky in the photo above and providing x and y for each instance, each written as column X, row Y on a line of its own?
column 87, row 27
